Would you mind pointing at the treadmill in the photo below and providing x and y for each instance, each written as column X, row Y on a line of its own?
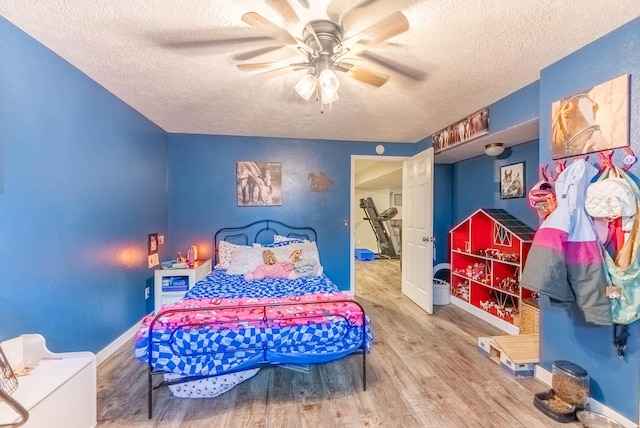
column 381, row 224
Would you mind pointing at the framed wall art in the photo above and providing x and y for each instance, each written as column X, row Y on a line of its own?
column 471, row 127
column 259, row 183
column 512, row 183
column 591, row 120
column 152, row 249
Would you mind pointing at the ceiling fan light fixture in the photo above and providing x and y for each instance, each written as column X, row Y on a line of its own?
column 494, row 149
column 329, row 97
column 329, row 83
column 306, row 87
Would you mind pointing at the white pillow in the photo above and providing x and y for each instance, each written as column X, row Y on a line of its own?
column 225, row 251
column 245, row 260
column 309, row 252
column 281, row 238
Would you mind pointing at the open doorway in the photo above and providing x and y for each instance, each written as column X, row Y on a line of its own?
column 378, row 178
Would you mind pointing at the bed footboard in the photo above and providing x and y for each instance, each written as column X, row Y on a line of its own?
column 271, row 333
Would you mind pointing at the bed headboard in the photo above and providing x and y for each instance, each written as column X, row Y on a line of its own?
column 260, row 232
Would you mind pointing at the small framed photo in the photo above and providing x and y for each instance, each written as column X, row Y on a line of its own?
column 153, row 243
column 512, row 181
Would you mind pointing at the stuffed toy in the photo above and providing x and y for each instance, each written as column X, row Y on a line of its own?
column 303, row 267
column 271, row 268
column 295, row 256
column 268, row 257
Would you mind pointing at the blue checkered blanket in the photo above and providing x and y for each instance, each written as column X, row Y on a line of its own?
column 187, row 347
column 218, row 284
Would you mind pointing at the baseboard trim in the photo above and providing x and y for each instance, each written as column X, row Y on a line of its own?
column 116, row 344
column 595, row 406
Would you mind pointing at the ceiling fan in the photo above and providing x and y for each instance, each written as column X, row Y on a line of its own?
column 323, row 50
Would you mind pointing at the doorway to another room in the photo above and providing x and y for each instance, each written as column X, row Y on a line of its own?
column 377, row 191
column 400, row 189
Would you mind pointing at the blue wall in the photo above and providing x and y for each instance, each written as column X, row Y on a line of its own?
column 442, row 210
column 516, row 108
column 202, row 190
column 477, row 184
column 84, row 183
column 564, row 335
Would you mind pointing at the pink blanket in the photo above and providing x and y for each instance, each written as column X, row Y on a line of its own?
column 280, row 312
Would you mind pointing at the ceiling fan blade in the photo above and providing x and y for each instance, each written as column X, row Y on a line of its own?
column 212, row 43
column 270, row 66
column 263, row 24
column 364, row 75
column 269, row 28
column 284, row 8
column 254, row 53
column 353, row 7
column 382, row 30
column 253, row 66
column 396, row 67
column 280, row 71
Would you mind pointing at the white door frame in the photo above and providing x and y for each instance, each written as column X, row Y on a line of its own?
column 353, row 214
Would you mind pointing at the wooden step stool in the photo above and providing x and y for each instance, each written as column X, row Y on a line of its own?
column 516, row 354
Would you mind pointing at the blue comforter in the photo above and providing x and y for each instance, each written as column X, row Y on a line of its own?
column 202, row 350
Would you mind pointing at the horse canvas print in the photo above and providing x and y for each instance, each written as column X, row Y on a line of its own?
column 471, row 127
column 259, row 183
column 592, row 120
column 512, row 181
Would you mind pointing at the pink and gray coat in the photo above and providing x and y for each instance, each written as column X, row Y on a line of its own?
column 565, row 261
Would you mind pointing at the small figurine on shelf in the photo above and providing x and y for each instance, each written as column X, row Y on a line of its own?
column 190, row 257
column 469, row 271
column 486, row 305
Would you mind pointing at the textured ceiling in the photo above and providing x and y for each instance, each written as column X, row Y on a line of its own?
column 174, row 61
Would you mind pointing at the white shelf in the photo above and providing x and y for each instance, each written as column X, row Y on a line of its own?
column 485, row 316
column 199, row 270
column 512, row 136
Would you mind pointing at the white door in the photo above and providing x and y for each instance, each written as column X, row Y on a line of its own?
column 417, row 229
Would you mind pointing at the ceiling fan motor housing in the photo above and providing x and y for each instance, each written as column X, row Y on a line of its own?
column 329, row 35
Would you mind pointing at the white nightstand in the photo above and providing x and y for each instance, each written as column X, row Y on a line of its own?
column 170, row 285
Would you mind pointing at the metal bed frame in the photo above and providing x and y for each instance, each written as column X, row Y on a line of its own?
column 260, row 232
column 263, row 234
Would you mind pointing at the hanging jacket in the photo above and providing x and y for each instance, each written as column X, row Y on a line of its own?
column 565, row 261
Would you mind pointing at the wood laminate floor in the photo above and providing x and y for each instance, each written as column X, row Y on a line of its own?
column 423, row 371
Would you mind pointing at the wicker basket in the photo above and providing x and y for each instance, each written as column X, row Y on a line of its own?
column 529, row 315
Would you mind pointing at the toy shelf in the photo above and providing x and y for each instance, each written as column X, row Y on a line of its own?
column 488, row 250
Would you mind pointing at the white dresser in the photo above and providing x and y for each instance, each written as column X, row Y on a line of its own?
column 59, row 392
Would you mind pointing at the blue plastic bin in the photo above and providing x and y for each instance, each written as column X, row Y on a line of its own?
column 364, row 255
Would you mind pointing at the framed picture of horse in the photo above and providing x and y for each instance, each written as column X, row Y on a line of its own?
column 512, row 181
column 591, row 120
column 471, row 127
column 259, row 183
